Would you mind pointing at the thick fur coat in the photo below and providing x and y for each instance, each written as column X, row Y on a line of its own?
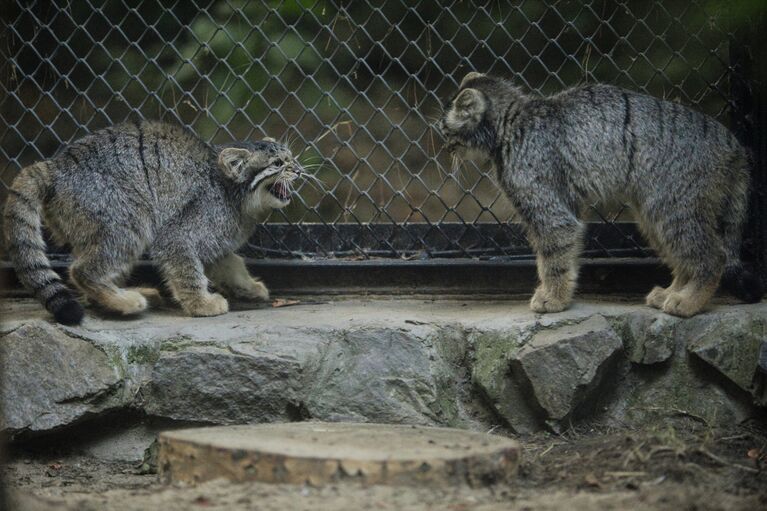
column 684, row 174
column 145, row 187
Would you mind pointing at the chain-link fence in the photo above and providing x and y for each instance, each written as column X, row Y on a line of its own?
column 355, row 86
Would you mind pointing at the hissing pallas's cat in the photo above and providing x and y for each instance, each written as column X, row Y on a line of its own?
column 142, row 186
column 684, row 174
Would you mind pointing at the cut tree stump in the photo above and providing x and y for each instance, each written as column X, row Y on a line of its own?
column 320, row 453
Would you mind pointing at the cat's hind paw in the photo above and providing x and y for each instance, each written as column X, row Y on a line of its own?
column 212, row 304
column 678, row 305
column 152, row 295
column 125, row 301
column 542, row 302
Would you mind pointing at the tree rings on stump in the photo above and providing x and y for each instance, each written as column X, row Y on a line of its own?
column 320, row 453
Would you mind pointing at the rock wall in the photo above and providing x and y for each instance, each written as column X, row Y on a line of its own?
column 465, row 364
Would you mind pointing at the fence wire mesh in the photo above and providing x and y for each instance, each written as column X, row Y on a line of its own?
column 355, row 87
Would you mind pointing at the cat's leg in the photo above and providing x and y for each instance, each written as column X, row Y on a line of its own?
column 230, row 275
column 657, row 297
column 151, row 294
column 186, row 279
column 697, row 257
column 95, row 271
column 556, row 239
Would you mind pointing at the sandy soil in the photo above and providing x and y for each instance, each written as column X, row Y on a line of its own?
column 685, row 467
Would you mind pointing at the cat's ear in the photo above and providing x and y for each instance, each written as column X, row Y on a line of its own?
column 471, row 103
column 269, row 139
column 470, row 76
column 233, row 162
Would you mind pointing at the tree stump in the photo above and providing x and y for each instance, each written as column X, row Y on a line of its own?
column 320, row 453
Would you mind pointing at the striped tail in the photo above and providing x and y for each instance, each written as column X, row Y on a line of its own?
column 737, row 279
column 26, row 247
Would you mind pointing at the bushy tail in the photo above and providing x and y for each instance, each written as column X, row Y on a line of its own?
column 26, row 247
column 736, row 279
column 742, row 284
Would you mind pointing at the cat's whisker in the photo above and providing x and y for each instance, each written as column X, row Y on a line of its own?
column 314, row 181
column 456, row 164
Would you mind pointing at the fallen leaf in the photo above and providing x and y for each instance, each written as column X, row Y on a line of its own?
column 202, row 501
column 281, row 302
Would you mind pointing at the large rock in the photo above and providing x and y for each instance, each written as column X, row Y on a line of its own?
column 709, row 349
column 215, row 385
column 493, row 352
column 760, row 380
column 374, row 374
column 563, row 367
column 763, row 357
column 649, row 337
column 49, row 379
column 368, row 374
column 731, row 344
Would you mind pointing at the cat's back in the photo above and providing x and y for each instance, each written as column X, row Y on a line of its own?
column 132, row 146
column 627, row 133
column 610, row 141
column 153, row 164
column 615, row 115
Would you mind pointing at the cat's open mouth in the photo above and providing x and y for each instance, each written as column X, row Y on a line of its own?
column 280, row 190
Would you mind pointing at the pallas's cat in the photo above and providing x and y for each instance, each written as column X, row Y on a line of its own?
column 145, row 187
column 684, row 174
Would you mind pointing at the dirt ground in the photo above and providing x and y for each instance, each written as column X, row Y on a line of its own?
column 684, row 466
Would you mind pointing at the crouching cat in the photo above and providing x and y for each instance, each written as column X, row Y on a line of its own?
column 142, row 186
column 684, row 174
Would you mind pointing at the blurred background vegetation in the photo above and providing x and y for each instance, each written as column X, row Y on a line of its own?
column 354, row 85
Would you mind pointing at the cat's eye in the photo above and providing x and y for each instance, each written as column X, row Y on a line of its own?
column 278, row 163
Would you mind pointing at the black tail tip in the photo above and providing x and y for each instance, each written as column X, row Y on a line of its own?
column 70, row 313
column 743, row 284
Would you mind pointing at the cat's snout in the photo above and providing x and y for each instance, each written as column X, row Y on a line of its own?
column 440, row 127
column 295, row 169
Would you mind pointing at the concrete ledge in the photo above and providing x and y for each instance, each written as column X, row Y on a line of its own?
column 469, row 364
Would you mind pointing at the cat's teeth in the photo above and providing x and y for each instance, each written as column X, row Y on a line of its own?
column 280, row 190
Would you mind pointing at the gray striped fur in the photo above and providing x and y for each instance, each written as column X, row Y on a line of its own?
column 684, row 174
column 145, row 187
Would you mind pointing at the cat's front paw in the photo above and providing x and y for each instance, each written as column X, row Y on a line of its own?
column 212, row 304
column 657, row 297
column 542, row 302
column 678, row 305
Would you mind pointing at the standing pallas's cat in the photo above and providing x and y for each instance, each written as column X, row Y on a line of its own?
column 142, row 186
column 684, row 174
